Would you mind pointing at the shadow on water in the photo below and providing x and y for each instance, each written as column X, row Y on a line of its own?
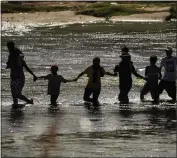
column 156, row 115
column 16, row 115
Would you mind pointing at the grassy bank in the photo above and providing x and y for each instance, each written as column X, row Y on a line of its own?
column 173, row 13
column 105, row 9
column 16, row 8
column 97, row 9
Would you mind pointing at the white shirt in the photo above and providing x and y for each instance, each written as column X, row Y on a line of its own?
column 170, row 65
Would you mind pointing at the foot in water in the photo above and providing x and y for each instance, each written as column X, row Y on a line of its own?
column 30, row 101
column 96, row 104
column 124, row 102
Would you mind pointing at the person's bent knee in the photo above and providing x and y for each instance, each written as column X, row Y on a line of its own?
column 86, row 98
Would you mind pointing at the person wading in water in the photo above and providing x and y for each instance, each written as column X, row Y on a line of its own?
column 94, row 74
column 16, row 64
column 125, row 69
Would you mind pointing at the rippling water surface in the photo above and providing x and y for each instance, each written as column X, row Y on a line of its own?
column 76, row 131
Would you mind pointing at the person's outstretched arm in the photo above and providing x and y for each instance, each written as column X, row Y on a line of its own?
column 81, row 74
column 66, row 80
column 136, row 74
column 111, row 74
column 29, row 70
column 43, row 77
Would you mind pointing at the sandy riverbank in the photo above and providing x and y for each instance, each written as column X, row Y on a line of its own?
column 71, row 17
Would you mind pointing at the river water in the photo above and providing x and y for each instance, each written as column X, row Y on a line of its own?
column 140, row 130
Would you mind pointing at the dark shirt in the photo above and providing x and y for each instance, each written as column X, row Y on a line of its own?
column 152, row 73
column 12, row 56
column 16, row 68
column 125, row 69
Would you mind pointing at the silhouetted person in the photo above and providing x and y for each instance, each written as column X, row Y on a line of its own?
column 152, row 74
column 16, row 64
column 54, row 82
column 168, row 81
column 125, row 69
column 94, row 74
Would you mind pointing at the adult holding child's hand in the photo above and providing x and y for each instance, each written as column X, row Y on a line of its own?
column 16, row 63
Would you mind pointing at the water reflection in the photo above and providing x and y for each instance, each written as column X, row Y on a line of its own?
column 16, row 115
column 125, row 110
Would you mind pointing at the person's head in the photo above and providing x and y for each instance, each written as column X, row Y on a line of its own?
column 153, row 59
column 168, row 51
column 125, row 49
column 54, row 69
column 125, row 56
column 10, row 45
column 96, row 62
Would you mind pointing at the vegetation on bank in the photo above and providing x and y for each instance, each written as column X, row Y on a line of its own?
column 173, row 13
column 106, row 9
column 18, row 7
column 97, row 9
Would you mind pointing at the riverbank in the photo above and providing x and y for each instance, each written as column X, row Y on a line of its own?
column 67, row 17
column 82, row 12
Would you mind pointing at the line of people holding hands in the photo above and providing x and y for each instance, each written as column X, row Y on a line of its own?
column 95, row 72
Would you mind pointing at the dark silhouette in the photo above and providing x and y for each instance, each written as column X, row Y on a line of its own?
column 169, row 79
column 16, row 64
column 152, row 74
column 54, row 82
column 125, row 70
column 94, row 74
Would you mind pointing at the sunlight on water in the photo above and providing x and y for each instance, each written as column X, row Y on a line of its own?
column 138, row 130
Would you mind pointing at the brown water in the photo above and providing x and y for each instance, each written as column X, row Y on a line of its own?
column 140, row 130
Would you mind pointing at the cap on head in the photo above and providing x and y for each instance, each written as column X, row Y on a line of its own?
column 153, row 59
column 54, row 68
column 168, row 49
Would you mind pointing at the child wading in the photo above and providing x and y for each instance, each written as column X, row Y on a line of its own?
column 54, row 82
column 152, row 74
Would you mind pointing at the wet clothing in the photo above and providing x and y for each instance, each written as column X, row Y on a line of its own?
column 16, row 88
column 125, row 70
column 17, row 68
column 54, row 83
column 16, row 64
column 169, row 79
column 95, row 94
column 170, row 88
column 152, row 73
column 53, row 99
column 94, row 83
column 94, row 76
column 14, row 54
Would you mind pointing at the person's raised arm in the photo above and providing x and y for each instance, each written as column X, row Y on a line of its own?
column 29, row 70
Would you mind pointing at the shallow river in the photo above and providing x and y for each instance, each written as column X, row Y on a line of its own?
column 139, row 130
